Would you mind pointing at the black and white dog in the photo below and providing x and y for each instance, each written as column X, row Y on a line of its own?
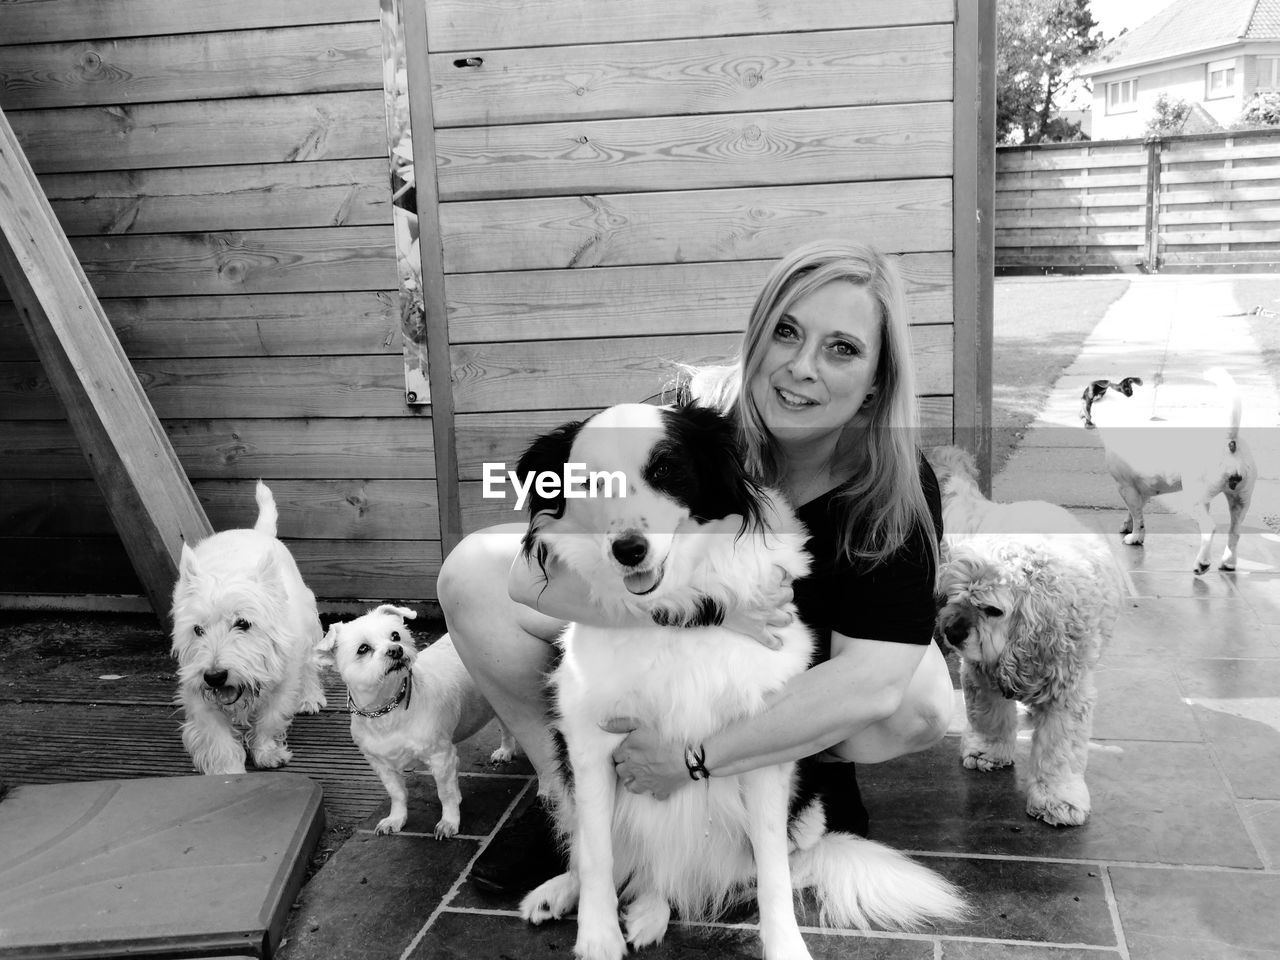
column 645, row 552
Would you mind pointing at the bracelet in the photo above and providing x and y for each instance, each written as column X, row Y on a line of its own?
column 695, row 761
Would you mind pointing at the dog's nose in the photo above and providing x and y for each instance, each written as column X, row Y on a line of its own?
column 956, row 632
column 215, row 678
column 395, row 653
column 630, row 549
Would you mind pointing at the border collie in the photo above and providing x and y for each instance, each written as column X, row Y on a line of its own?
column 680, row 673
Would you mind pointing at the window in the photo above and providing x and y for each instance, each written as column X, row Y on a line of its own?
column 1222, row 79
column 1122, row 97
column 1269, row 73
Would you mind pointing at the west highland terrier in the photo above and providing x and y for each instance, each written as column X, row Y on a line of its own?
column 409, row 707
column 245, row 629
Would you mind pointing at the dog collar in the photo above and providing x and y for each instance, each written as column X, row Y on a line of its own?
column 404, row 695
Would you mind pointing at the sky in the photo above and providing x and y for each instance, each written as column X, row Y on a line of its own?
column 1116, row 15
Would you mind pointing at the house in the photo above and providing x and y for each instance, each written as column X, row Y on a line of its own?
column 1214, row 54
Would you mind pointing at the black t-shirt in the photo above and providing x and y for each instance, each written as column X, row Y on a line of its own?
column 892, row 600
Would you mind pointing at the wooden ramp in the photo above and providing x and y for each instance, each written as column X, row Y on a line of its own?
column 174, row 867
column 150, row 499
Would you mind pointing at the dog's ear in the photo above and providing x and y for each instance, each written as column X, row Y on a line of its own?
column 404, row 613
column 1126, row 385
column 188, row 568
column 723, row 485
column 324, row 646
column 547, row 454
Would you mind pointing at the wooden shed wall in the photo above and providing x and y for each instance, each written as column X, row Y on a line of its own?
column 221, row 170
column 615, row 180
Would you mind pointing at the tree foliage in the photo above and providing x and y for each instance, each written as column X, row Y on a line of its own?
column 1038, row 45
column 1168, row 116
column 1262, row 110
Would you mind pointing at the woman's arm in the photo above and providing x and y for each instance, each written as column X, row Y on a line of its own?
column 862, row 684
column 561, row 593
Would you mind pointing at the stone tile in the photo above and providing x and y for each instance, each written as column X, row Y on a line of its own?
column 1180, row 627
column 1260, row 590
column 1161, row 584
column 473, row 936
column 474, row 752
column 979, row 950
column 484, row 800
column 1197, row 915
column 1237, row 703
column 372, row 897
column 1263, row 819
column 1139, row 699
column 1152, row 802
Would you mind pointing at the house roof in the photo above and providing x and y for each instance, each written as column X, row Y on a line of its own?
column 1187, row 27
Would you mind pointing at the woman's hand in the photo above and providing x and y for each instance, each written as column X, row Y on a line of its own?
column 644, row 763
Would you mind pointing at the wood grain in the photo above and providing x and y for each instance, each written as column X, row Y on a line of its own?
column 725, row 150
column 222, row 449
column 592, row 231
column 204, row 66
column 330, row 126
column 712, row 74
column 462, row 24
column 648, row 300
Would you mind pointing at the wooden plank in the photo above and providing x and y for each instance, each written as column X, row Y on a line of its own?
column 1175, row 152
column 207, row 66
column 1215, row 175
column 1094, row 157
column 707, row 75
column 37, row 22
column 1008, row 220
column 361, row 448
column 265, row 325
column 1271, row 236
column 1053, row 237
column 591, row 231
column 241, row 262
column 374, row 570
column 1132, row 179
column 1260, row 213
column 595, row 373
column 503, row 437
column 1018, row 257
column 330, row 126
column 234, row 387
column 150, row 499
column 644, row 301
column 332, row 193
column 723, row 150
column 430, row 358
column 462, row 24
column 1175, row 197
column 1073, row 199
column 309, row 509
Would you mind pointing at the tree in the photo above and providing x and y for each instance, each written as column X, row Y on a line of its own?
column 1168, row 116
column 1262, row 110
column 1038, row 44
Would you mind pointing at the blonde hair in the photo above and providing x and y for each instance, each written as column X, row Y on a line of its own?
column 883, row 503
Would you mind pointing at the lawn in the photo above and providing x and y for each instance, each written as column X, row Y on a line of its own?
column 1039, row 325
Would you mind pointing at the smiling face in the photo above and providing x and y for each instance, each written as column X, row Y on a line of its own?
column 819, row 364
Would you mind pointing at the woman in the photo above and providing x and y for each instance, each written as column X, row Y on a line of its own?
column 824, row 400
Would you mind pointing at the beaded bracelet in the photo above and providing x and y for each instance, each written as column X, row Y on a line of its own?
column 695, row 760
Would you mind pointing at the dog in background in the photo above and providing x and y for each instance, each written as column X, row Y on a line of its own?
column 1147, row 460
column 245, row 628
column 648, row 556
column 408, row 707
column 1029, row 597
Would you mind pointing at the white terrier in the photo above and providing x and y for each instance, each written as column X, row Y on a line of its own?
column 245, row 628
column 409, row 707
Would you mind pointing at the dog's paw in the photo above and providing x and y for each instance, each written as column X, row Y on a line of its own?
column 313, row 706
column 390, row 824
column 792, row 948
column 986, row 757
column 600, row 942
column 1201, row 568
column 271, row 754
column 1060, row 805
column 551, row 900
column 1134, row 539
column 502, row 754
column 646, row 919
column 446, row 828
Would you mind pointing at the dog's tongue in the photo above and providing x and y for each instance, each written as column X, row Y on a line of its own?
column 227, row 695
column 642, row 581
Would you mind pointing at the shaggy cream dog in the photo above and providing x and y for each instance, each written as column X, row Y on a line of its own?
column 1029, row 597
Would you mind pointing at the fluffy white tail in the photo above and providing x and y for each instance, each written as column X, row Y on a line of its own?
column 267, row 515
column 1227, row 384
column 860, row 882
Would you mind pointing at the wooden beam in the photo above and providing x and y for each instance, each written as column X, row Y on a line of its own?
column 151, row 502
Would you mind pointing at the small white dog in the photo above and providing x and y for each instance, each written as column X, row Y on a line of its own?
column 409, row 707
column 1029, row 597
column 1147, row 459
column 245, row 628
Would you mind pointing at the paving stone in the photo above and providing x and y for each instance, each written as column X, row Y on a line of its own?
column 1152, row 802
column 484, row 800
column 979, row 950
column 372, row 897
column 471, row 936
column 1237, row 703
column 1197, row 915
column 1160, row 584
column 1178, row 627
column 1139, row 699
column 1263, row 820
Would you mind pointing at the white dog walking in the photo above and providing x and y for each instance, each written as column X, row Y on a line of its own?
column 245, row 628
column 1030, row 596
column 408, row 707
